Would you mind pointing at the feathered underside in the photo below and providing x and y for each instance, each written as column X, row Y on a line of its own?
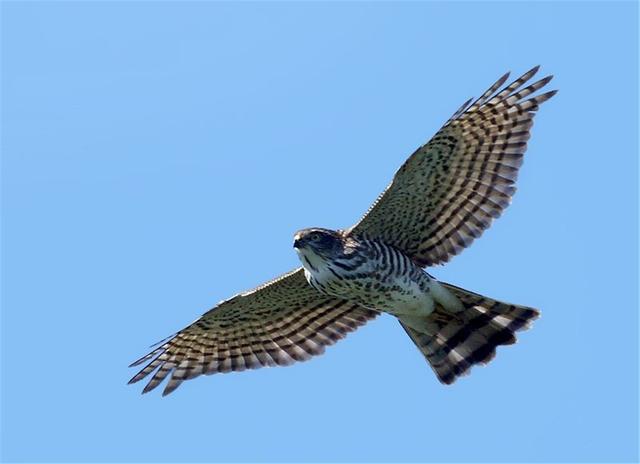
column 276, row 324
column 451, row 189
column 442, row 198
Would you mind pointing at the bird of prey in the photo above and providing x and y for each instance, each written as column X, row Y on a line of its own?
column 441, row 199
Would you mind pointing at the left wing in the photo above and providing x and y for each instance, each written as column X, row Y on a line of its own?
column 281, row 322
column 450, row 189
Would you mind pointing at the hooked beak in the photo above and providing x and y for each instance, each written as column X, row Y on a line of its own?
column 297, row 243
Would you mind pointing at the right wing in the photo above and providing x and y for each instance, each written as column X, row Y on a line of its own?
column 450, row 190
column 276, row 324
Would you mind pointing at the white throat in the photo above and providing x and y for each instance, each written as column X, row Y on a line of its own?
column 311, row 261
column 316, row 269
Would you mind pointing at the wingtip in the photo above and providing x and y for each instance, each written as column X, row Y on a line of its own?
column 500, row 82
column 169, row 389
column 148, row 388
column 136, row 378
column 543, row 97
column 545, row 80
column 141, row 360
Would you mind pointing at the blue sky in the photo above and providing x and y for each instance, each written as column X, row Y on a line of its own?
column 157, row 158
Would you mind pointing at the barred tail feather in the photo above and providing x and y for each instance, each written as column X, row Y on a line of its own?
column 453, row 343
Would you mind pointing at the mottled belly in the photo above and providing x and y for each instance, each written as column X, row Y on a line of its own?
column 397, row 295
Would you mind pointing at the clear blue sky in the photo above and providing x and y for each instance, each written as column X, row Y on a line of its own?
column 157, row 157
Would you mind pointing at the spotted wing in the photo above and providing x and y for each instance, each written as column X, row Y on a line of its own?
column 276, row 324
column 450, row 189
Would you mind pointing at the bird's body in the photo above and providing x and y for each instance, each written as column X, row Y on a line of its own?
column 441, row 199
column 372, row 274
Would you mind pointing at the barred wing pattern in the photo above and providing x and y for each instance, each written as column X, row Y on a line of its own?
column 450, row 189
column 276, row 324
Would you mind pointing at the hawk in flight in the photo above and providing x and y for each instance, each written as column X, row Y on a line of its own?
column 441, row 199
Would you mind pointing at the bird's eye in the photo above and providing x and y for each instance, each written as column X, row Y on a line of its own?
column 316, row 237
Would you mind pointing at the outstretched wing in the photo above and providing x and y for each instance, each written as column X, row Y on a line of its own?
column 450, row 189
column 276, row 324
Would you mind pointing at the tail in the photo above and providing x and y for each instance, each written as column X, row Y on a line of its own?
column 453, row 343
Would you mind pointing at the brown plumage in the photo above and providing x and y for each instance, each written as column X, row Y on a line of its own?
column 451, row 189
column 441, row 199
column 276, row 324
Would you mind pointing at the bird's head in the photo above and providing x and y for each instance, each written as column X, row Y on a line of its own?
column 324, row 243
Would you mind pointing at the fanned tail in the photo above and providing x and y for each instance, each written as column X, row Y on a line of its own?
column 453, row 343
